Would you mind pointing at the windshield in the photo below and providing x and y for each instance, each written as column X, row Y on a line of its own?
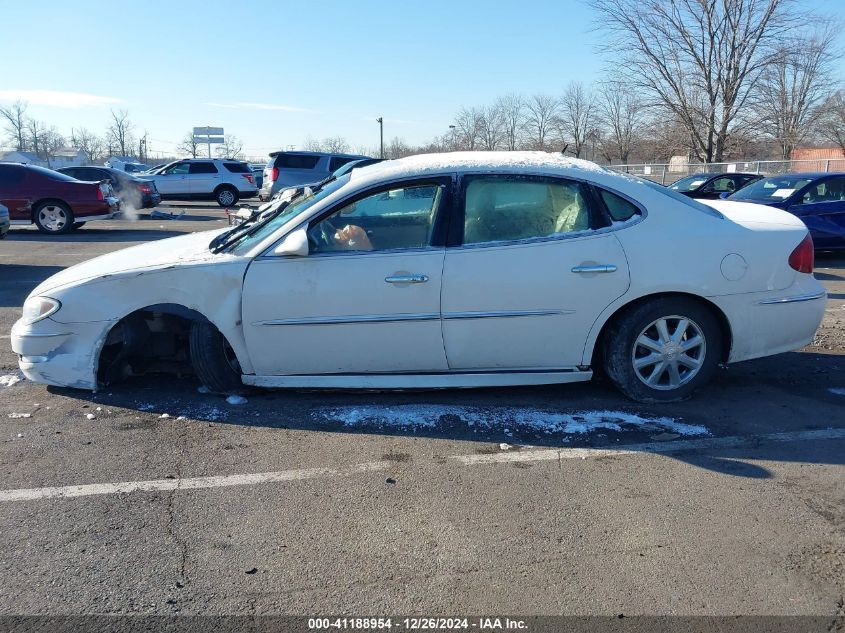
column 297, row 206
column 774, row 188
column 690, row 183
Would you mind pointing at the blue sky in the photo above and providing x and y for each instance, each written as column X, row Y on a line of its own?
column 274, row 72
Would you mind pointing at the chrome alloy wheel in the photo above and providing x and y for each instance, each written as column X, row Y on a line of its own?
column 226, row 197
column 53, row 218
column 669, row 352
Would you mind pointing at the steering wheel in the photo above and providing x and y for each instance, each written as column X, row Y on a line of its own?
column 326, row 235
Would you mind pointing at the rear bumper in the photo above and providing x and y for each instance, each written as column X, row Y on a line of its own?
column 109, row 208
column 150, row 200
column 768, row 323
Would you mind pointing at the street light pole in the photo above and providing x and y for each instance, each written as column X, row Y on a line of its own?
column 454, row 145
column 381, row 136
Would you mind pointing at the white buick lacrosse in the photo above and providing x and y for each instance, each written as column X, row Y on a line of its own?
column 443, row 270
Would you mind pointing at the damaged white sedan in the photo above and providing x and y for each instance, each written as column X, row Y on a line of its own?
column 447, row 270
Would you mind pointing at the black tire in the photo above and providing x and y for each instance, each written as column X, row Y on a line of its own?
column 53, row 217
column 213, row 360
column 77, row 226
column 226, row 196
column 622, row 349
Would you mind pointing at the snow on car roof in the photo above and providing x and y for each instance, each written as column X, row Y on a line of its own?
column 459, row 161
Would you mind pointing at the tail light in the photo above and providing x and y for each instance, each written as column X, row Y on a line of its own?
column 275, row 175
column 802, row 258
column 101, row 195
column 145, row 188
column 249, row 178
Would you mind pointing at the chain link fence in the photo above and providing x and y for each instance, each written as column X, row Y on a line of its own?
column 667, row 173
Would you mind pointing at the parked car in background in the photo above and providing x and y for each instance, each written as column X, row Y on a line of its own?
column 4, row 221
column 289, row 169
column 223, row 180
column 483, row 268
column 133, row 192
column 712, row 186
column 54, row 202
column 817, row 198
column 258, row 174
column 129, row 167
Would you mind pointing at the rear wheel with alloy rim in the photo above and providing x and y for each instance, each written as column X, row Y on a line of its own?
column 226, row 196
column 53, row 217
column 662, row 350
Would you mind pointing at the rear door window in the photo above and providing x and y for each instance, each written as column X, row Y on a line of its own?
column 203, row 168
column 238, row 168
column 297, row 161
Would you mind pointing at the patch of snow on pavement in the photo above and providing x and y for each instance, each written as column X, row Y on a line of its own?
column 839, row 391
column 20, row 415
column 10, row 379
column 236, row 400
column 539, row 420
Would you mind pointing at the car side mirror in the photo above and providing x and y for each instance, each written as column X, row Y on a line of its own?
column 724, row 194
column 295, row 244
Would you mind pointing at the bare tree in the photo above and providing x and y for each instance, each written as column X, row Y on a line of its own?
column 833, row 122
column 119, row 132
column 698, row 59
column 35, row 131
column 51, row 141
column 491, row 126
column 512, row 108
column 336, row 145
column 397, row 148
column 542, row 112
column 231, row 147
column 88, row 142
column 15, row 116
column 621, row 112
column 576, row 115
column 467, row 128
column 189, row 145
column 794, row 87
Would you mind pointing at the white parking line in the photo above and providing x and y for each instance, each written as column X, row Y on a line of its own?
column 191, row 483
column 194, row 483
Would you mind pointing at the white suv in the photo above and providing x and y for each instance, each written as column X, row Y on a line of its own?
column 223, row 180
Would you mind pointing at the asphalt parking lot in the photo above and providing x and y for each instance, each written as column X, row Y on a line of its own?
column 153, row 498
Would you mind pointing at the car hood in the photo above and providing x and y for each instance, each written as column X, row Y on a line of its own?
column 751, row 215
column 166, row 253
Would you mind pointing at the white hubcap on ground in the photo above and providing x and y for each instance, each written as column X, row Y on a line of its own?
column 669, row 352
column 52, row 218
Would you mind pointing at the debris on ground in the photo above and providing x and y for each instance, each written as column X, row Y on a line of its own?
column 203, row 389
column 20, row 415
column 164, row 215
column 164, row 415
column 839, row 391
column 505, row 447
column 90, row 416
column 10, row 379
column 236, row 400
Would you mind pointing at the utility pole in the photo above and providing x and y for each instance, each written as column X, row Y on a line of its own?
column 454, row 144
column 381, row 136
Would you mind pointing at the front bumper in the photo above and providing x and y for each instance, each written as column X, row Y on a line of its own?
column 60, row 354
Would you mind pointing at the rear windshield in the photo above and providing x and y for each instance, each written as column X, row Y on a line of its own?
column 49, row 173
column 679, row 197
column 774, row 188
column 296, row 161
column 237, row 168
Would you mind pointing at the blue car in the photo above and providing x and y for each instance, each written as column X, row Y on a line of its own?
column 817, row 198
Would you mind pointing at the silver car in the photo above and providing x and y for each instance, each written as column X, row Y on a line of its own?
column 290, row 169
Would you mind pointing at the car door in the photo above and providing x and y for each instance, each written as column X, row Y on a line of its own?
column 203, row 177
column 530, row 275
column 173, row 180
column 367, row 296
column 821, row 206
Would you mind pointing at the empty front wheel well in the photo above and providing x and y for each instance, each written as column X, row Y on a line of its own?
column 150, row 340
column 620, row 313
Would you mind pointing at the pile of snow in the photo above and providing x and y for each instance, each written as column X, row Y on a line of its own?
column 413, row 416
column 233, row 399
column 839, row 391
column 10, row 379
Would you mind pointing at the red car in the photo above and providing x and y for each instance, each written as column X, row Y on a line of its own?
column 54, row 202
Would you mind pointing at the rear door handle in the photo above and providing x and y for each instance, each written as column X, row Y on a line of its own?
column 406, row 279
column 595, row 268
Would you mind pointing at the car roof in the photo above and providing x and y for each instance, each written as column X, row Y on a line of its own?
column 297, row 152
column 510, row 162
column 809, row 174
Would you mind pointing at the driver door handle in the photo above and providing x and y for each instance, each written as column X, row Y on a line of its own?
column 406, row 279
column 595, row 268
